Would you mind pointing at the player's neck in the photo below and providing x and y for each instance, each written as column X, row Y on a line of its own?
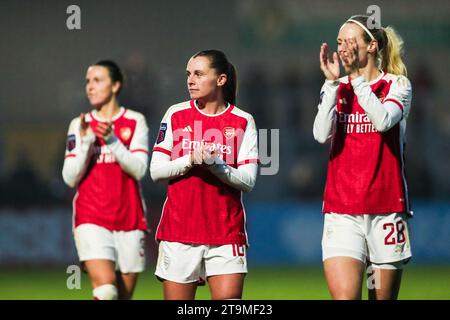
column 109, row 110
column 211, row 107
column 370, row 72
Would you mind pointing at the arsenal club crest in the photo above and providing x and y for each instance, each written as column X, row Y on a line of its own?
column 228, row 132
column 125, row 133
column 381, row 96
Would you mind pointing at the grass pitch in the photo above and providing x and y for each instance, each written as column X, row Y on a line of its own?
column 262, row 283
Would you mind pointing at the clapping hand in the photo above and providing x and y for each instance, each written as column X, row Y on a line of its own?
column 104, row 131
column 329, row 68
column 85, row 129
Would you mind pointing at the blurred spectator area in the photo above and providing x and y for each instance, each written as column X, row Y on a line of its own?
column 38, row 147
column 32, row 158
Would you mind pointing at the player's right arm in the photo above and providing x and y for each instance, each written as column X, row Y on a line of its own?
column 326, row 112
column 78, row 151
column 162, row 167
column 325, row 118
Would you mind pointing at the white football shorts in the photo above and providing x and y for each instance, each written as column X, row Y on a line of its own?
column 374, row 238
column 125, row 248
column 186, row 263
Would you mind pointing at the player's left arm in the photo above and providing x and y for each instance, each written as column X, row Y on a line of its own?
column 244, row 177
column 384, row 115
column 135, row 160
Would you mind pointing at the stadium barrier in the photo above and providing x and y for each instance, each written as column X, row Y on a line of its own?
column 279, row 233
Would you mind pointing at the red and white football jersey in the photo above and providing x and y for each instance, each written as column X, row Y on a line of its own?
column 366, row 173
column 107, row 195
column 201, row 209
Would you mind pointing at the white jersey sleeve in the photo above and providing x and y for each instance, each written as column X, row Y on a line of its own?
column 161, row 165
column 135, row 160
column 401, row 94
column 324, row 122
column 162, row 168
column 78, row 152
column 384, row 115
column 244, row 177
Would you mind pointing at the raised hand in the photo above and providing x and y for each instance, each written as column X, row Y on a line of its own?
column 209, row 154
column 349, row 57
column 329, row 68
column 104, row 130
column 84, row 126
column 197, row 155
column 204, row 154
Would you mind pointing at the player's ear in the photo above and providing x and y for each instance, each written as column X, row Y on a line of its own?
column 221, row 80
column 116, row 87
column 373, row 47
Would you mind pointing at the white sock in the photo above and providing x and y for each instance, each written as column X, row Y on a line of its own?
column 105, row 292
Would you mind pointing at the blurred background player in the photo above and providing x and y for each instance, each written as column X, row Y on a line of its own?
column 366, row 201
column 106, row 155
column 207, row 150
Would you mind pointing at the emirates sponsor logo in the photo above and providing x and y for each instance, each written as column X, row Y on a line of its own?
column 192, row 136
column 218, row 147
column 356, row 122
column 187, row 137
column 353, row 117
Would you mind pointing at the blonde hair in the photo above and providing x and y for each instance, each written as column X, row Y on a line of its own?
column 391, row 54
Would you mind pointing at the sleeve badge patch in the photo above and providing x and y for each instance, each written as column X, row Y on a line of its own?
column 321, row 97
column 161, row 133
column 71, row 142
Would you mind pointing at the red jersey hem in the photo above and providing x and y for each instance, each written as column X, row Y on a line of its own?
column 384, row 211
column 110, row 227
column 206, row 242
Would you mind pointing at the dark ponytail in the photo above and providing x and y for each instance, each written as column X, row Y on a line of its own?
column 220, row 63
